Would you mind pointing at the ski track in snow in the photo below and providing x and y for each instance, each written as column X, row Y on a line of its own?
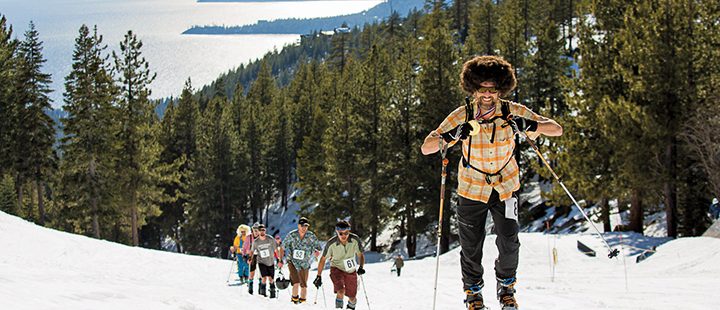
column 46, row 269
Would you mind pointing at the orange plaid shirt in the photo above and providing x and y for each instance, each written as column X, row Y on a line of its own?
column 488, row 157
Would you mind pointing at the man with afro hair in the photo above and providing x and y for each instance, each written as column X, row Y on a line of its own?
column 488, row 174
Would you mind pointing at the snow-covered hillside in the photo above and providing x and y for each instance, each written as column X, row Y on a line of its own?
column 45, row 269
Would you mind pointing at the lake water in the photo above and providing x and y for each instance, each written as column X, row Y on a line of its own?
column 159, row 24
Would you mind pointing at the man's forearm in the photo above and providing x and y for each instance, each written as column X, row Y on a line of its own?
column 549, row 128
column 321, row 264
column 431, row 143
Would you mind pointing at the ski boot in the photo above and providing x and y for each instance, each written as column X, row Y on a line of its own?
column 351, row 305
column 261, row 290
column 250, row 287
column 301, row 300
column 506, row 293
column 474, row 300
column 295, row 299
column 338, row 303
column 272, row 290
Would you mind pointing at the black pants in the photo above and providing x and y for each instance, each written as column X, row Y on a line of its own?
column 471, row 217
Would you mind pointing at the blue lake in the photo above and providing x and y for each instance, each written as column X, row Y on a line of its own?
column 159, row 24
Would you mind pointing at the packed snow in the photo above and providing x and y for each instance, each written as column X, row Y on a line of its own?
column 42, row 268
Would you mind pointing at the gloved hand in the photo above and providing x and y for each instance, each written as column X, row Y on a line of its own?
column 318, row 282
column 465, row 129
column 361, row 271
column 524, row 124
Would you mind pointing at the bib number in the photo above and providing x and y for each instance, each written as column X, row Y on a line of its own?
column 511, row 208
column 350, row 264
column 299, row 254
column 264, row 253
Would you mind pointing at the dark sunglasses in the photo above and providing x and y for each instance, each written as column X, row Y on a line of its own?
column 491, row 90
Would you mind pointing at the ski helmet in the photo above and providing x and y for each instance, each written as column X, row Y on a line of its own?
column 281, row 282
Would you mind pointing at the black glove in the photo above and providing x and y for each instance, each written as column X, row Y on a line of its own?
column 361, row 271
column 524, row 124
column 465, row 129
column 318, row 282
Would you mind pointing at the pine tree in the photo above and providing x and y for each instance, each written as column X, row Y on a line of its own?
column 177, row 140
column 281, row 150
column 210, row 208
column 181, row 146
column 482, row 31
column 312, row 176
column 546, row 70
column 512, row 41
column 343, row 154
column 316, row 196
column 243, row 180
column 403, row 143
column 138, row 162
column 592, row 175
column 88, row 146
column 34, row 154
column 438, row 96
column 8, row 202
column 301, row 93
column 340, row 47
column 369, row 99
column 262, row 97
column 8, row 46
column 658, row 63
column 460, row 19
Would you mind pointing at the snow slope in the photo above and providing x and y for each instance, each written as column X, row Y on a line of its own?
column 45, row 269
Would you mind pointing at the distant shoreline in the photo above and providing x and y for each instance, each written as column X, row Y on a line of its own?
column 250, row 1
column 307, row 25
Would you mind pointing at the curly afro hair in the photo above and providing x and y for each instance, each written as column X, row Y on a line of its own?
column 487, row 68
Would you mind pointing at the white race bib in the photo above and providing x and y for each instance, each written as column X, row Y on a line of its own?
column 299, row 254
column 511, row 208
column 264, row 253
column 350, row 264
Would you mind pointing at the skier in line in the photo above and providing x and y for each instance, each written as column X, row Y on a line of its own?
column 342, row 250
column 488, row 174
column 240, row 239
column 251, row 255
column 398, row 264
column 265, row 247
column 278, row 240
column 298, row 247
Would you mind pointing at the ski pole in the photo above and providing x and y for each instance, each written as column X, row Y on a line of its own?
column 232, row 262
column 443, row 152
column 624, row 264
column 324, row 298
column 362, row 280
column 317, row 291
column 613, row 252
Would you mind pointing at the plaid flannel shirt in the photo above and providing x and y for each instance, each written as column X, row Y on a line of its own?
column 488, row 157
